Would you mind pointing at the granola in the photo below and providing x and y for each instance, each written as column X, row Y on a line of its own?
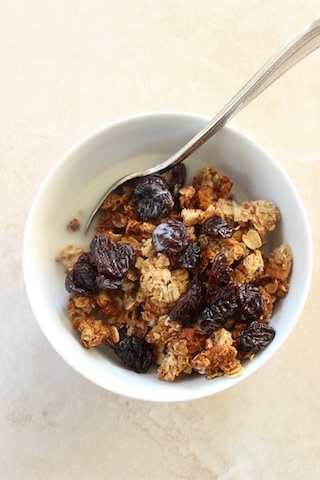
column 190, row 308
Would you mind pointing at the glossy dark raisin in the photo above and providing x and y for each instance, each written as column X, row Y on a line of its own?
column 224, row 302
column 188, row 306
column 256, row 337
column 217, row 227
column 208, row 322
column 251, row 303
column 109, row 283
column 152, row 198
column 177, row 180
column 171, row 237
column 135, row 353
column 220, row 275
column 111, row 259
column 190, row 258
column 81, row 280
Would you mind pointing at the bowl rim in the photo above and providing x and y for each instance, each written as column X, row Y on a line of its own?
column 89, row 137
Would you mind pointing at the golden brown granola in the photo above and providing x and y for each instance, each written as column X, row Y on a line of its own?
column 155, row 282
column 219, row 357
column 160, row 284
column 94, row 332
column 210, row 177
column 280, row 263
column 69, row 256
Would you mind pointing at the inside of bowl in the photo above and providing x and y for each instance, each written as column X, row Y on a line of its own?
column 78, row 181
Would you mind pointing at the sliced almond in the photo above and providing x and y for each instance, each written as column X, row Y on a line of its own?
column 252, row 239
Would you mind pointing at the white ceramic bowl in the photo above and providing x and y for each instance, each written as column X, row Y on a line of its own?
column 77, row 182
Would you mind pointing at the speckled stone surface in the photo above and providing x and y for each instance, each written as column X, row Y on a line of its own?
column 68, row 67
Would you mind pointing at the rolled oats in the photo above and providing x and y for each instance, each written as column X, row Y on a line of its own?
column 69, row 256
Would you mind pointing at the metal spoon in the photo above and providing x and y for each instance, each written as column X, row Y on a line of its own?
column 302, row 44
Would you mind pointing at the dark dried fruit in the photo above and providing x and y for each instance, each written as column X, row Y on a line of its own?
column 217, row 227
column 188, row 306
column 251, row 303
column 152, row 198
column 111, row 259
column 191, row 256
column 109, row 283
column 177, row 180
column 135, row 353
column 171, row 237
column 256, row 337
column 220, row 275
column 81, row 280
column 208, row 322
column 224, row 302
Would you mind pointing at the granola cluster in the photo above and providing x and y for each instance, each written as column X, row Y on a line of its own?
column 183, row 304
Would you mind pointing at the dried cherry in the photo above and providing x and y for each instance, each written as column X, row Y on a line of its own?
column 111, row 259
column 251, row 303
column 81, row 280
column 208, row 322
column 217, row 227
column 177, row 180
column 109, row 283
column 190, row 258
column 135, row 353
column 171, row 237
column 220, row 275
column 224, row 303
column 152, row 198
column 256, row 337
column 189, row 304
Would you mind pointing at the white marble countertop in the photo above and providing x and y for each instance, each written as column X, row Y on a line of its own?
column 68, row 67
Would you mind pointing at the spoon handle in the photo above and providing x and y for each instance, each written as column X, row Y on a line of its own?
column 298, row 47
column 303, row 43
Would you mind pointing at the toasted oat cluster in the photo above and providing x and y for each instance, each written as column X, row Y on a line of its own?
column 177, row 276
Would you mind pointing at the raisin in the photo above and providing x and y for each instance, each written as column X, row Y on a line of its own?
column 177, row 180
column 189, row 304
column 256, row 337
column 171, row 237
column 224, row 302
column 190, row 258
column 208, row 322
column 81, row 280
column 109, row 283
column 251, row 303
column 135, row 353
column 220, row 275
column 111, row 259
column 152, row 198
column 217, row 227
